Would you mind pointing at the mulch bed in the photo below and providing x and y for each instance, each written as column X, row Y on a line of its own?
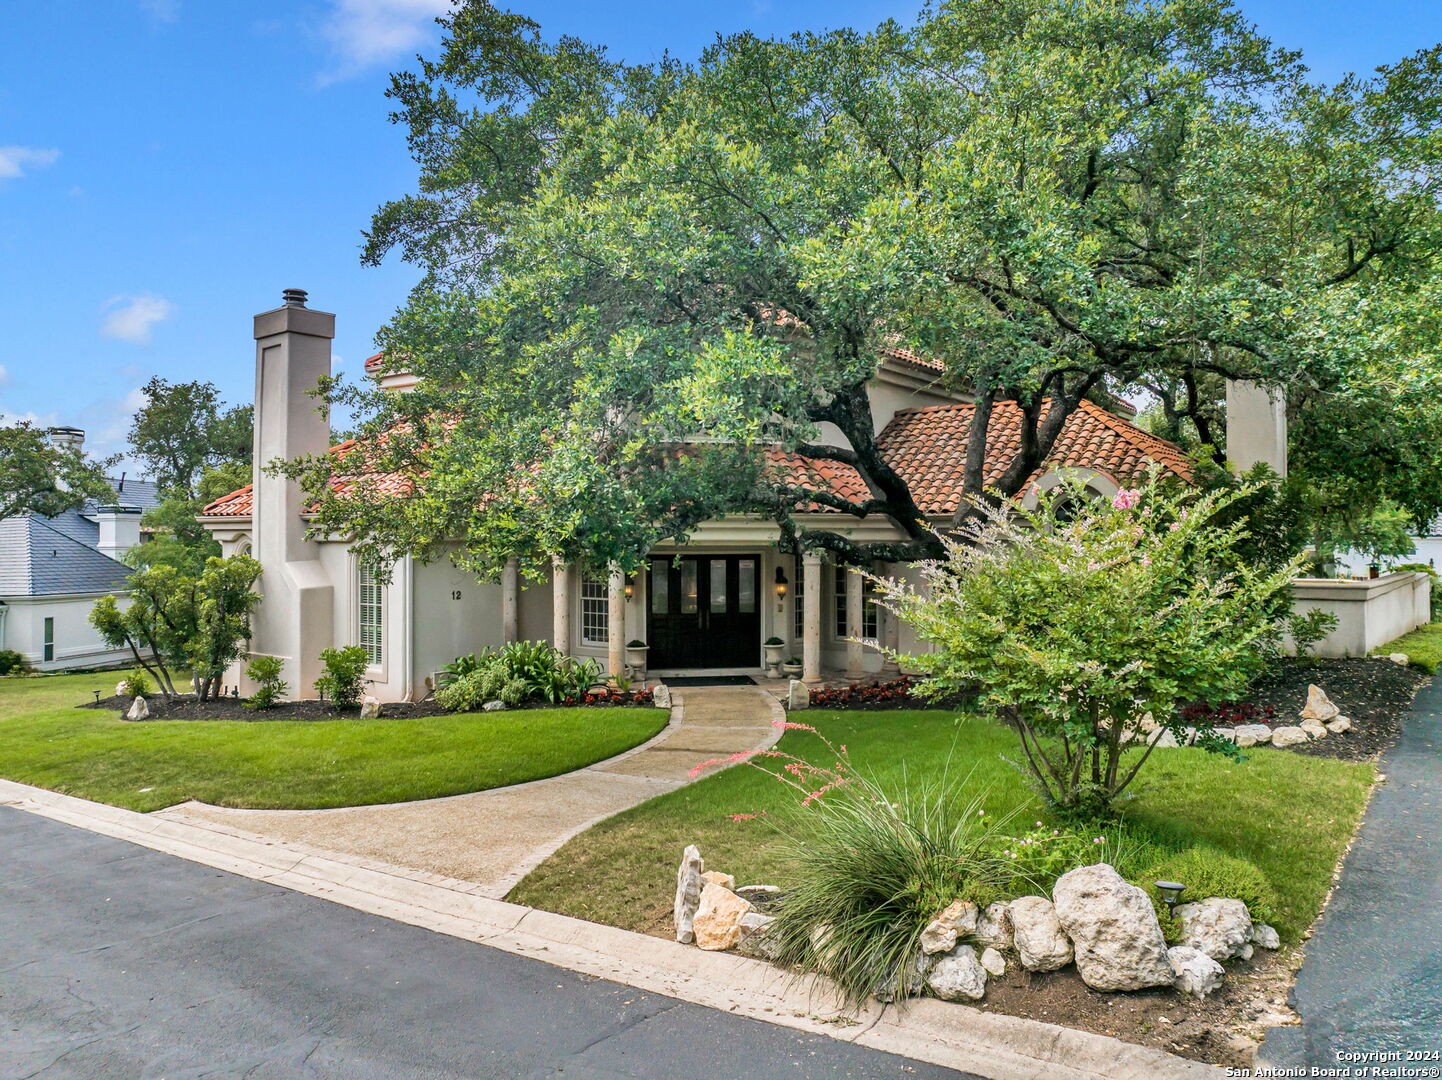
column 186, row 707
column 1373, row 691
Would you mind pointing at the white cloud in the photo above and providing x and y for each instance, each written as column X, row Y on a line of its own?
column 366, row 32
column 132, row 318
column 161, row 10
column 15, row 160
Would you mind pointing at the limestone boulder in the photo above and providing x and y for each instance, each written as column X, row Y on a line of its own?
column 993, row 926
column 1113, row 928
column 138, row 710
column 1163, row 738
column 1194, row 972
column 798, row 695
column 993, row 962
column 957, row 921
column 1319, row 706
column 726, row 881
column 1284, row 737
column 717, row 923
column 958, row 976
column 688, row 893
column 1252, row 734
column 661, row 696
column 917, row 971
column 1315, row 729
column 1219, row 927
column 1399, row 658
column 1339, row 725
column 494, row 706
column 370, row 708
column 1041, row 945
column 755, row 936
column 1266, row 936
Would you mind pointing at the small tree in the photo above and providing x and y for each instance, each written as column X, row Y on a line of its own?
column 38, row 477
column 344, row 676
column 265, row 672
column 184, row 621
column 1075, row 630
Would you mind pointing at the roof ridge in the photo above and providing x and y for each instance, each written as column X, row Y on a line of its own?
column 1140, row 438
column 45, row 524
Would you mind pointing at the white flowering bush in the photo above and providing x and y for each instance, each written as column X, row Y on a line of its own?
column 1074, row 630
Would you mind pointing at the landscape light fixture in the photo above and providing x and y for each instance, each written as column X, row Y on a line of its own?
column 1171, row 893
column 97, row 696
column 781, row 583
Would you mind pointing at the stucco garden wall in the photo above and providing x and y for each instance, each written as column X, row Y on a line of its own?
column 1369, row 613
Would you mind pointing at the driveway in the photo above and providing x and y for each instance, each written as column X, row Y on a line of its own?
column 118, row 961
column 1372, row 977
column 491, row 839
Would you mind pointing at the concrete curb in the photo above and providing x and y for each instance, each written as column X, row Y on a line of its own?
column 955, row 1036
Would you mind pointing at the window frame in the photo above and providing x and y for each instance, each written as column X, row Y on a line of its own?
column 594, row 594
column 368, row 581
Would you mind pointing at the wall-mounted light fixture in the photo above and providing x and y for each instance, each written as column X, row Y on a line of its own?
column 629, row 588
column 781, row 583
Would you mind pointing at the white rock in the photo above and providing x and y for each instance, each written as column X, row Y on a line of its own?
column 1037, row 933
column 138, row 710
column 1266, row 936
column 1315, row 729
column 958, row 976
column 755, row 937
column 1339, row 725
column 661, row 696
column 993, row 926
column 1252, row 734
column 494, row 706
column 1228, row 733
column 1113, row 928
column 717, row 923
column 370, row 708
column 798, row 695
column 1147, row 722
column 920, row 967
column 1399, row 658
column 1283, row 737
column 993, row 962
column 1162, row 738
column 726, row 881
column 1319, row 706
column 1194, row 971
column 1246, row 953
column 688, row 893
column 122, row 687
column 958, row 920
column 1219, row 927
column 757, row 892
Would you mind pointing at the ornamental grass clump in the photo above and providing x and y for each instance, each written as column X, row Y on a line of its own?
column 1078, row 626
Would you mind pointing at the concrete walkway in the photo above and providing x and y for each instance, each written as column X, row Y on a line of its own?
column 487, row 841
column 1372, row 977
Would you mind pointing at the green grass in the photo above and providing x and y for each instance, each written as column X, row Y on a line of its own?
column 1289, row 814
column 1423, row 647
column 290, row 764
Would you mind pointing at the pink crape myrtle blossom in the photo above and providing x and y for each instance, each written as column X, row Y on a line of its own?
column 1126, row 498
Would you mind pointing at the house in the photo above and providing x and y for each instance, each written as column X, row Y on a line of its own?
column 708, row 604
column 52, row 570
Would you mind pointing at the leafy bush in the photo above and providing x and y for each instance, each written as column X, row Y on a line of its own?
column 469, row 692
column 1041, row 855
column 135, row 684
column 1309, row 627
column 344, row 676
column 265, row 672
column 515, row 693
column 1227, row 714
column 1077, row 628
column 461, row 665
column 515, row 674
column 11, row 662
column 1207, row 872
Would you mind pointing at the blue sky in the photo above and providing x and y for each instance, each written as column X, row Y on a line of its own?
column 168, row 166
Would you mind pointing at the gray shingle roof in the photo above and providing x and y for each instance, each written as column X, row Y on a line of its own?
column 50, row 556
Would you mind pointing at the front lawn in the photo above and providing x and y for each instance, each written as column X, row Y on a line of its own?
column 282, row 764
column 1423, row 647
column 1288, row 814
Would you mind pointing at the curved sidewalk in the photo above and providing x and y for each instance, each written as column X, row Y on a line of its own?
column 487, row 841
column 1372, row 977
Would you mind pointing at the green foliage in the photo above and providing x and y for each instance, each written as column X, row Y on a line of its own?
column 179, row 620
column 1041, row 855
column 1423, row 647
column 11, row 662
column 1435, row 596
column 515, row 692
column 457, row 668
column 467, row 693
column 344, row 677
column 265, row 672
column 39, row 478
column 1307, row 628
column 1379, row 530
column 135, row 684
column 181, row 429
column 530, row 669
column 1076, row 629
column 1207, row 872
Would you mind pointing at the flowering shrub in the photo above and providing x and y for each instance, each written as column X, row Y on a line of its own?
column 1076, row 629
column 895, row 694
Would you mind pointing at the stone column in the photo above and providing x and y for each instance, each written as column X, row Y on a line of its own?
column 1256, row 426
column 811, row 618
column 560, row 605
column 855, row 651
column 510, row 601
column 616, row 624
column 890, row 629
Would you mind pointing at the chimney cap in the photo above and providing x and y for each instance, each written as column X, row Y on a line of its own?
column 293, row 297
column 65, row 431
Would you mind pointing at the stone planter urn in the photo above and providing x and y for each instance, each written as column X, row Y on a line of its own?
column 792, row 668
column 636, row 657
column 774, row 647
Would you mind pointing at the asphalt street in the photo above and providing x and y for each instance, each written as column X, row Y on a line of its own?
column 1371, row 981
column 118, row 961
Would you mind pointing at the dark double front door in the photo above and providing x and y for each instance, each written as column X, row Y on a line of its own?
column 704, row 611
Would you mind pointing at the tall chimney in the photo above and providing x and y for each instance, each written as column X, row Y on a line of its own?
column 66, row 438
column 296, row 619
column 119, row 529
column 1256, row 426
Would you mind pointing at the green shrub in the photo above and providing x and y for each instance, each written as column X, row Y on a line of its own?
column 265, row 672
column 11, row 662
column 135, row 684
column 515, row 692
column 461, row 665
column 1038, row 857
column 523, row 670
column 1309, row 627
column 1207, row 872
column 344, row 675
column 469, row 692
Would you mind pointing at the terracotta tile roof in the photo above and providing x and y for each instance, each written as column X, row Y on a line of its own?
column 374, row 362
column 927, row 447
column 241, row 503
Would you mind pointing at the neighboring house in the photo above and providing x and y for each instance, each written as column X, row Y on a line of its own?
column 708, row 604
column 52, row 570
